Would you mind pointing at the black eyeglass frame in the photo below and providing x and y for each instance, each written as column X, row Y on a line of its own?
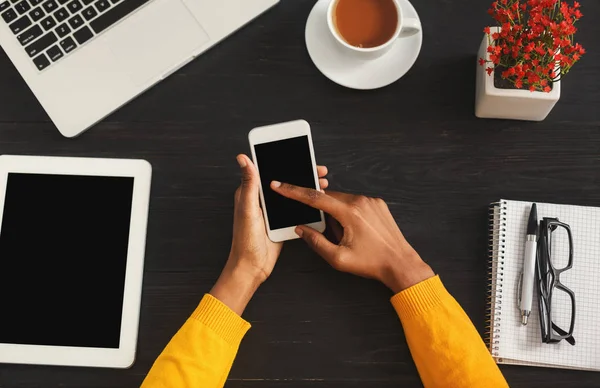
column 548, row 278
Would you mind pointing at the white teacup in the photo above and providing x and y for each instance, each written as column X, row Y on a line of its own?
column 406, row 27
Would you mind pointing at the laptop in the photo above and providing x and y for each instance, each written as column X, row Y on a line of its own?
column 83, row 59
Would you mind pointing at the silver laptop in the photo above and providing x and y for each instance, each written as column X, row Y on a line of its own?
column 83, row 59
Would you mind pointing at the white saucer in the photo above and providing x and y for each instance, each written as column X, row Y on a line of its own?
column 335, row 64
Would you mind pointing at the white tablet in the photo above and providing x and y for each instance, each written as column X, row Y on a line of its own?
column 72, row 240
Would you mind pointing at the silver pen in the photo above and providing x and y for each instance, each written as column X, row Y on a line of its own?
column 528, row 279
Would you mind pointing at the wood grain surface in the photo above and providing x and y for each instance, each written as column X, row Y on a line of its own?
column 415, row 143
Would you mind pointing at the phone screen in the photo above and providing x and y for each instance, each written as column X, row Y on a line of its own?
column 286, row 161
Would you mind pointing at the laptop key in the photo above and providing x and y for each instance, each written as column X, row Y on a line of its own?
column 22, row 7
column 74, row 6
column 35, row 2
column 115, row 14
column 48, row 23
column 4, row 5
column 83, row 35
column 102, row 5
column 41, row 62
column 20, row 25
column 87, row 2
column 50, row 6
column 62, row 30
column 54, row 53
column 75, row 22
column 29, row 35
column 89, row 13
column 114, row 1
column 61, row 14
column 41, row 44
column 37, row 14
column 68, row 44
column 9, row 15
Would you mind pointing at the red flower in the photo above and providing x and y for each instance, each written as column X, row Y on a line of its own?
column 481, row 61
column 547, row 89
column 529, row 48
column 534, row 37
column 532, row 88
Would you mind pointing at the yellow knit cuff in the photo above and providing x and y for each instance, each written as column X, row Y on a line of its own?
column 419, row 298
column 221, row 319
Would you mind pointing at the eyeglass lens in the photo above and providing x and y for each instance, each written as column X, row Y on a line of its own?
column 559, row 248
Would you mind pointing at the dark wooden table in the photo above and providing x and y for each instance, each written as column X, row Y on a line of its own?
column 416, row 143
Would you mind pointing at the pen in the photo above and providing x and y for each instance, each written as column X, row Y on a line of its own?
column 527, row 285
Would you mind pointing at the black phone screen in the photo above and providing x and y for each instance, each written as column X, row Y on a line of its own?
column 286, row 161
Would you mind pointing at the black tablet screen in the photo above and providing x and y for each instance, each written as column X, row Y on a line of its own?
column 63, row 252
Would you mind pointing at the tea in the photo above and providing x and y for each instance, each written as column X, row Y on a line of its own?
column 366, row 23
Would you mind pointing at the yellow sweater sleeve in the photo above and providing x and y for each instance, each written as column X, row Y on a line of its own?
column 445, row 346
column 200, row 355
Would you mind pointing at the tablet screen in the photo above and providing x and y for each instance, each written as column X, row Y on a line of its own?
column 63, row 253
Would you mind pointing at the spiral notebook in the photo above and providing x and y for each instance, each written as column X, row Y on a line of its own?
column 509, row 341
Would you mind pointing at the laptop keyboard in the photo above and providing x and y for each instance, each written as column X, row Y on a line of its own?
column 48, row 30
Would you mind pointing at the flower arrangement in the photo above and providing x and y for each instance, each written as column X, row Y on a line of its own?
column 535, row 45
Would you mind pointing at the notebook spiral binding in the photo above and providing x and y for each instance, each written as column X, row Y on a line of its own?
column 497, row 239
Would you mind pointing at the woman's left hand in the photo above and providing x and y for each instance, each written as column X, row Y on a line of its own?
column 252, row 256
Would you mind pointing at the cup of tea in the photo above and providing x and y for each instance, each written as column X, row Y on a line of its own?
column 368, row 28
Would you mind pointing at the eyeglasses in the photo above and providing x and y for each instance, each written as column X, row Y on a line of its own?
column 555, row 256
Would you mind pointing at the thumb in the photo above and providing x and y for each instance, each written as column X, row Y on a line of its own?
column 319, row 243
column 250, row 182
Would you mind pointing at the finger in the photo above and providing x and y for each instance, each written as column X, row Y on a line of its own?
column 318, row 243
column 250, row 182
column 322, row 171
column 312, row 198
column 238, row 195
column 324, row 183
column 342, row 197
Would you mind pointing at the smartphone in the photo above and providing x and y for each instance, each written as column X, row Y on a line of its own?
column 284, row 152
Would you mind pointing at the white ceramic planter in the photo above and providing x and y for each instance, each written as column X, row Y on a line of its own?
column 517, row 104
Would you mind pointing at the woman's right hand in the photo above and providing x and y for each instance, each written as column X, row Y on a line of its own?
column 370, row 243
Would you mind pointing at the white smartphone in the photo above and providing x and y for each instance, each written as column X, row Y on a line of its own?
column 284, row 152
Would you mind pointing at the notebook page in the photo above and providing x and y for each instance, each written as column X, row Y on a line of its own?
column 523, row 343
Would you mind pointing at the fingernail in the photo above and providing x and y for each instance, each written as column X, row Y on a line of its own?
column 241, row 161
column 299, row 232
column 276, row 184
